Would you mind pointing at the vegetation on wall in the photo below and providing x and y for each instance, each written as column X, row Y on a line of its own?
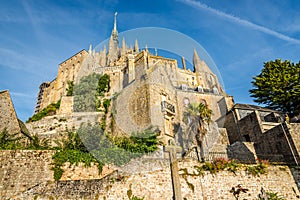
column 269, row 195
column 103, row 85
column 223, row 164
column 91, row 144
column 70, row 88
column 88, row 92
column 278, row 86
column 140, row 142
column 48, row 111
column 73, row 151
column 10, row 141
column 21, row 141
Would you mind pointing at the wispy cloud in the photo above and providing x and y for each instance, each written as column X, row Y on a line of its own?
column 22, row 62
column 22, row 95
column 235, row 19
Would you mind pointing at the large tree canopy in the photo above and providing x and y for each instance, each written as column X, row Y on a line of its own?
column 278, row 86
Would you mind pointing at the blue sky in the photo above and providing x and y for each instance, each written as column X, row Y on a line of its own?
column 37, row 35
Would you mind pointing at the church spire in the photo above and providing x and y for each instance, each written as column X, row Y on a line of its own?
column 113, row 44
column 115, row 23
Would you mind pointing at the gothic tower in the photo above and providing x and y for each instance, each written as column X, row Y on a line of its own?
column 113, row 45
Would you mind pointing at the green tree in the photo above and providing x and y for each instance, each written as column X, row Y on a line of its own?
column 278, row 86
column 194, row 117
column 88, row 91
column 103, row 85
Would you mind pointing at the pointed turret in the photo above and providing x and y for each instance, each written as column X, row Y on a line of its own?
column 136, row 46
column 90, row 49
column 200, row 65
column 124, row 48
column 146, row 48
column 208, row 79
column 102, row 61
column 183, row 63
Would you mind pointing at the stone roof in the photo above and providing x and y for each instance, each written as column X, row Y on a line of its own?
column 253, row 107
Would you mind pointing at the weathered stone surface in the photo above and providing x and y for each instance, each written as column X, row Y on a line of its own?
column 8, row 117
column 55, row 127
column 27, row 175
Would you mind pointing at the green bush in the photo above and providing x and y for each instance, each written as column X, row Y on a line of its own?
column 140, row 142
column 10, row 141
column 256, row 170
column 48, row 111
column 74, row 152
column 106, row 104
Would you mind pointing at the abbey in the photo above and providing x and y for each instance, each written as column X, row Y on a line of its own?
column 153, row 90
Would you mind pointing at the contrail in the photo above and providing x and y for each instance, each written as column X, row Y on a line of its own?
column 240, row 21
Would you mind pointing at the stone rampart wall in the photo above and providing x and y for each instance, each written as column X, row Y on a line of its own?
column 28, row 175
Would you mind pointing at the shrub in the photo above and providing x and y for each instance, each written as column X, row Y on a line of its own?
column 48, row 111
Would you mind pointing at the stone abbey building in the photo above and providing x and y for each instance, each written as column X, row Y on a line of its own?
column 152, row 89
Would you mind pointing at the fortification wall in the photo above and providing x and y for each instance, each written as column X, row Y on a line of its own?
column 28, row 175
column 55, row 127
column 22, row 170
column 8, row 117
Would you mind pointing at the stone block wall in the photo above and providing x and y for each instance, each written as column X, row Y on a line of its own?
column 243, row 152
column 56, row 126
column 27, row 175
column 66, row 105
column 278, row 144
column 21, row 170
column 8, row 117
column 250, row 127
